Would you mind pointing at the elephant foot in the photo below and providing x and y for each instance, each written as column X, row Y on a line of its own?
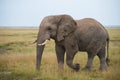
column 104, row 68
column 87, row 68
column 77, row 67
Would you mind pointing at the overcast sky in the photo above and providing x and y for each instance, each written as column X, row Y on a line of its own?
column 31, row 12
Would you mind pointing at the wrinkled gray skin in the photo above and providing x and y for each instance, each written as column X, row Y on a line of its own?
column 72, row 36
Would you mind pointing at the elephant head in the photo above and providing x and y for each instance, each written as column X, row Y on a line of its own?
column 56, row 27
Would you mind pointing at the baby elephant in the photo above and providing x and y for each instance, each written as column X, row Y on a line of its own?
column 71, row 36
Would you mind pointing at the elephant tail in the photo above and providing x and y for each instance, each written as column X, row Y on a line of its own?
column 107, row 58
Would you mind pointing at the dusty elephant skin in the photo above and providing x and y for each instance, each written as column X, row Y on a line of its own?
column 71, row 36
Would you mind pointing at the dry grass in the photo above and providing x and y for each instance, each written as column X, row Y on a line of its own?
column 17, row 59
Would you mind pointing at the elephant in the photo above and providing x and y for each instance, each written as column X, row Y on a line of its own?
column 71, row 36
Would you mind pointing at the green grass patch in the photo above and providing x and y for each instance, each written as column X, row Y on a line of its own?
column 13, row 47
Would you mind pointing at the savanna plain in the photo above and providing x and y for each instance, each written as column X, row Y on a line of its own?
column 18, row 58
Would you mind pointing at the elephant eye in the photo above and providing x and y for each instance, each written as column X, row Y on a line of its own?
column 65, row 30
column 49, row 29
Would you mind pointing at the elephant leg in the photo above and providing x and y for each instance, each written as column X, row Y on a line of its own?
column 60, row 52
column 89, row 62
column 101, row 55
column 69, row 61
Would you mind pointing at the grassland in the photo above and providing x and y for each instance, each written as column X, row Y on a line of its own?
column 17, row 59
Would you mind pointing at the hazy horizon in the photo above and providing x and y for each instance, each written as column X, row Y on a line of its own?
column 113, row 26
column 29, row 13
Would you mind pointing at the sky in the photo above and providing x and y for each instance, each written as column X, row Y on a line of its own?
column 31, row 12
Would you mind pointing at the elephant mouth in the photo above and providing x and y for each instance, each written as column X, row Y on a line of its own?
column 43, row 43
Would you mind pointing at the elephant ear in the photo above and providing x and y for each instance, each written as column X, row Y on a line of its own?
column 66, row 26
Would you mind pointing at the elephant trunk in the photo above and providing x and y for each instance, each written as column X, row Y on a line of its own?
column 41, row 41
column 39, row 50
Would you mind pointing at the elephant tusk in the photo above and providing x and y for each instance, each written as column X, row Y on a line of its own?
column 43, row 43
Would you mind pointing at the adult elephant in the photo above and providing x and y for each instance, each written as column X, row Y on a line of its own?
column 72, row 36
